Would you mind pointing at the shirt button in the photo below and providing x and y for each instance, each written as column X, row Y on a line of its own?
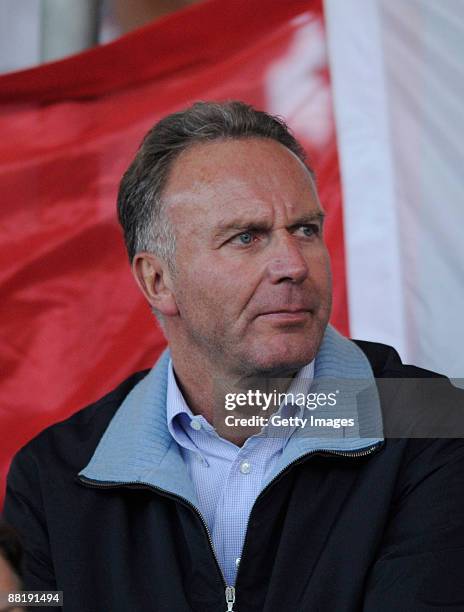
column 245, row 467
column 195, row 424
column 237, row 562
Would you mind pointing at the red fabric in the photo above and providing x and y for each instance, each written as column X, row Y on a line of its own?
column 73, row 322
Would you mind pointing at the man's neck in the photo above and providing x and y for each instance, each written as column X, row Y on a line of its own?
column 205, row 389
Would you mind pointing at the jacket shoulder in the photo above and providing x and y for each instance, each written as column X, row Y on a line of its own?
column 106, row 405
column 386, row 362
column 81, row 432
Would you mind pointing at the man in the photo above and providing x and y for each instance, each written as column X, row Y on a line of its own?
column 153, row 499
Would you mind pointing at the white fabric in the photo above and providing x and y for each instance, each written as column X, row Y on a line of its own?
column 398, row 82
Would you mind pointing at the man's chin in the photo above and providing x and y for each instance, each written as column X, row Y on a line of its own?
column 280, row 362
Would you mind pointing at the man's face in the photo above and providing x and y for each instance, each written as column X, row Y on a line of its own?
column 252, row 283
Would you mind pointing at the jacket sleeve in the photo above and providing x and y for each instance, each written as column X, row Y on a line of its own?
column 24, row 511
column 420, row 561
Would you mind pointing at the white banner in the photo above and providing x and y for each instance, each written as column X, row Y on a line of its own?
column 398, row 82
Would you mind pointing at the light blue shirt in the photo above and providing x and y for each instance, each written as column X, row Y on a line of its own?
column 228, row 478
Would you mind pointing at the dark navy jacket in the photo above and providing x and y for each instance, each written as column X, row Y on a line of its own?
column 376, row 530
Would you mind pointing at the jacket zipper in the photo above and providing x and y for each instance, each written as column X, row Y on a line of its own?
column 230, row 598
column 229, row 590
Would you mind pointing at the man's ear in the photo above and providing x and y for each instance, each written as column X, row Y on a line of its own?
column 154, row 280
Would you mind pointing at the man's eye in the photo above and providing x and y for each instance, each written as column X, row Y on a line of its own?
column 310, row 230
column 244, row 238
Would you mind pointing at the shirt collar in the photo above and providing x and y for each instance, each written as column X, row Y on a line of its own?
column 179, row 416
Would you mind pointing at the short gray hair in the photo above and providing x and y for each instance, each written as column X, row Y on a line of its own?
column 140, row 205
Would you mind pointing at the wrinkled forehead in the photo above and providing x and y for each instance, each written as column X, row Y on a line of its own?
column 240, row 176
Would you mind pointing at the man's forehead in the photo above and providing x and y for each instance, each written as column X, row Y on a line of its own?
column 249, row 179
column 232, row 160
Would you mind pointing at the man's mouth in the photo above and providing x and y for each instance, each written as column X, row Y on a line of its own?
column 286, row 315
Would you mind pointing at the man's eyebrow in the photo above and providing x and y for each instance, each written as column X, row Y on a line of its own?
column 226, row 227
column 318, row 217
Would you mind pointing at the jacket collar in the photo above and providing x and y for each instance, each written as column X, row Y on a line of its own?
column 137, row 446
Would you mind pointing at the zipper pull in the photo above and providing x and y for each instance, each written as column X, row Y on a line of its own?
column 230, row 598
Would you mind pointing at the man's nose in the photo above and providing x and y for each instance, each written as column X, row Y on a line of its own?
column 286, row 260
